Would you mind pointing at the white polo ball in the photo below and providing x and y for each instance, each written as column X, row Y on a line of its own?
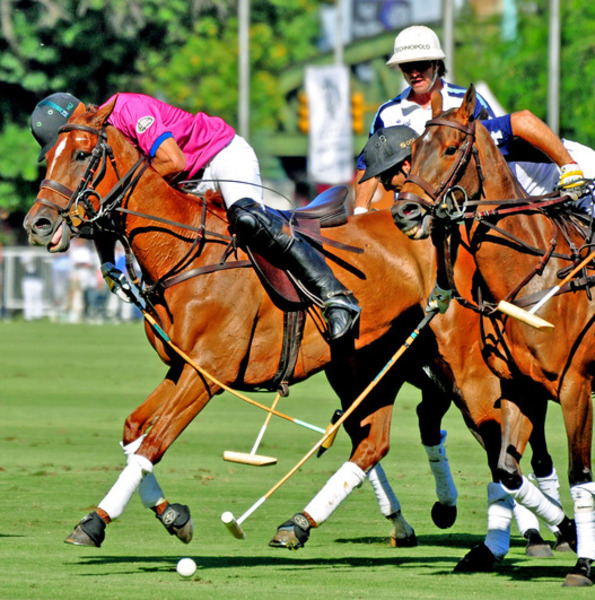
column 186, row 567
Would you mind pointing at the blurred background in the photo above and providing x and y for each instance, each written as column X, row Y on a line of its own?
column 252, row 62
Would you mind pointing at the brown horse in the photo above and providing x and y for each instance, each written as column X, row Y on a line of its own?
column 172, row 233
column 519, row 251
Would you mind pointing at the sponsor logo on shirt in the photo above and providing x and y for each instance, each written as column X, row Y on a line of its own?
column 497, row 136
column 144, row 123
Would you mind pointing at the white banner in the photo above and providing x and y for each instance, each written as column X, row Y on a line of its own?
column 330, row 151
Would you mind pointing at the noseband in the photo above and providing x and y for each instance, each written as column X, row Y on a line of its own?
column 79, row 209
column 446, row 205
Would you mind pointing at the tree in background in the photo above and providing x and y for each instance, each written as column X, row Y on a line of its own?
column 516, row 70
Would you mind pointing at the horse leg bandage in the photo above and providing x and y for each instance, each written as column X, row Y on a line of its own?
column 128, row 482
column 445, row 486
column 584, row 516
column 550, row 486
column 500, row 506
column 149, row 490
column 524, row 518
column 336, row 489
column 536, row 501
column 387, row 500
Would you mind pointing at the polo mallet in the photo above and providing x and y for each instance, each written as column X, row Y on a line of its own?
column 119, row 285
column 553, row 291
column 529, row 317
column 235, row 525
column 257, row 460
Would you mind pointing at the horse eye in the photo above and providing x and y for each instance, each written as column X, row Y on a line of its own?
column 450, row 150
column 81, row 155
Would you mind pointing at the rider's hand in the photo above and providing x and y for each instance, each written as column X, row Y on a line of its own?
column 439, row 300
column 360, row 210
column 572, row 181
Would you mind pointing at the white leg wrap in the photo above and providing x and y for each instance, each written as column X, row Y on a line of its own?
column 130, row 478
column 525, row 519
column 584, row 515
column 336, row 489
column 445, row 486
column 531, row 497
column 500, row 506
column 550, row 486
column 149, row 490
column 387, row 501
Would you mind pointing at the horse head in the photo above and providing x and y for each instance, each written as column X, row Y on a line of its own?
column 439, row 182
column 81, row 172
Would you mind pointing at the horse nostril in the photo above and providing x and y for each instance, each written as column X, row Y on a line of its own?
column 41, row 226
column 410, row 209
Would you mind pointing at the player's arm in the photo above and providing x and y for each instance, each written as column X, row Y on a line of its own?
column 364, row 193
column 169, row 160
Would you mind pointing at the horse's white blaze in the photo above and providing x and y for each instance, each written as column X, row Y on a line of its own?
column 57, row 154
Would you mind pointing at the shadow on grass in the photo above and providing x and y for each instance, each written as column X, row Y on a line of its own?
column 513, row 569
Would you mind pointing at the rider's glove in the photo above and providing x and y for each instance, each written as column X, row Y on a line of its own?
column 439, row 300
column 360, row 210
column 572, row 181
column 116, row 281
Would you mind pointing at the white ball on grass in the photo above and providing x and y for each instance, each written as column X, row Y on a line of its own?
column 186, row 567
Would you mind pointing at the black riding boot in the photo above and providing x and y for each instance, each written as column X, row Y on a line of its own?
column 269, row 235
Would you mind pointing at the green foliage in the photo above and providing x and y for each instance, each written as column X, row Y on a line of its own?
column 517, row 72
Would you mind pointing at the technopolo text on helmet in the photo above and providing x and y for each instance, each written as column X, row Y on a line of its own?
column 413, row 47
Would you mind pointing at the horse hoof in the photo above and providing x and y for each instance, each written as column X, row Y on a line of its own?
column 536, row 545
column 292, row 534
column 409, row 541
column 285, row 538
column 575, row 580
column 539, row 550
column 568, row 532
column 90, row 531
column 561, row 544
column 444, row 516
column 478, row 560
column 580, row 576
column 177, row 520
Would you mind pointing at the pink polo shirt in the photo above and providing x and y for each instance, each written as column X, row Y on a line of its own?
column 147, row 122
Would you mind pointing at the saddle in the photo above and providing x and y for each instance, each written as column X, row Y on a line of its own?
column 329, row 209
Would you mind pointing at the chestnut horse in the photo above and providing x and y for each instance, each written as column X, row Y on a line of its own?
column 520, row 251
column 172, row 233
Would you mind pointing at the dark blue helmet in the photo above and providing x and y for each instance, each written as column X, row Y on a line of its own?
column 47, row 118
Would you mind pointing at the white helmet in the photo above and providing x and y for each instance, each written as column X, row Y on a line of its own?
column 416, row 43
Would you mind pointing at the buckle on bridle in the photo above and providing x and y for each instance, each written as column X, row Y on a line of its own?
column 449, row 207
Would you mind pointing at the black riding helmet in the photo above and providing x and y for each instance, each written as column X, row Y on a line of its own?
column 47, row 118
column 387, row 147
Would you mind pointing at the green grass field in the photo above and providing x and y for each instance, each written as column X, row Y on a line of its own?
column 66, row 390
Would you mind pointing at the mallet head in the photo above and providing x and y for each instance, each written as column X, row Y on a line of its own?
column 234, row 527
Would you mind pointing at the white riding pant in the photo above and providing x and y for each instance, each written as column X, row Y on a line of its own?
column 234, row 172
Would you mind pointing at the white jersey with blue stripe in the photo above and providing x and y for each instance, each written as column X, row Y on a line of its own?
column 401, row 111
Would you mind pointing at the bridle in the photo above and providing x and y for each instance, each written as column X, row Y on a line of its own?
column 79, row 211
column 447, row 204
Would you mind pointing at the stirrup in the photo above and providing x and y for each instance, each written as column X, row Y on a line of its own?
column 341, row 314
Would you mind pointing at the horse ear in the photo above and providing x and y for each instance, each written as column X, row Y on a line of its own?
column 436, row 103
column 467, row 108
column 103, row 113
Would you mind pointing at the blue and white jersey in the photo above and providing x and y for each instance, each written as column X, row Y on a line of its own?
column 538, row 178
column 401, row 111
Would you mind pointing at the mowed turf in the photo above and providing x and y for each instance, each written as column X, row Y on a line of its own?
column 66, row 390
